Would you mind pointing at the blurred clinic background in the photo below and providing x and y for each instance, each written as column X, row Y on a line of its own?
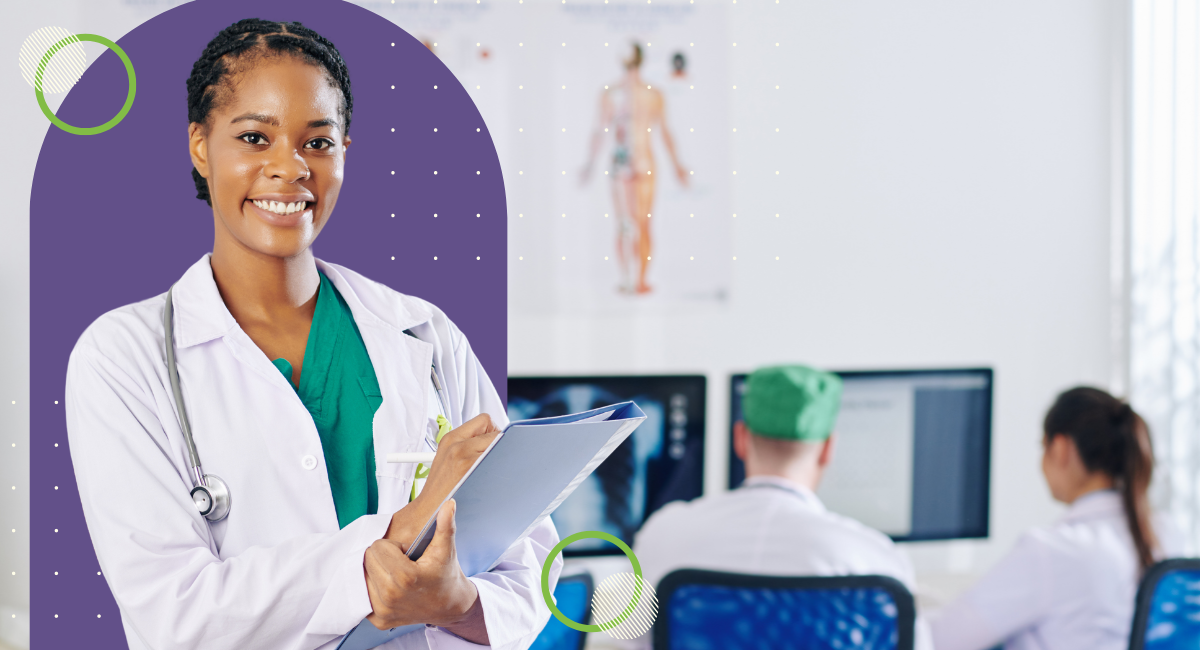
column 964, row 208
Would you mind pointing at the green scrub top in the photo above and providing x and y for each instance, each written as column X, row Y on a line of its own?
column 339, row 388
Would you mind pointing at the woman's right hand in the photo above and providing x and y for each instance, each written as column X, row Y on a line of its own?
column 456, row 453
column 431, row 590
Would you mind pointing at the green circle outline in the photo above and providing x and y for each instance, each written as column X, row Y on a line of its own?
column 89, row 130
column 637, row 571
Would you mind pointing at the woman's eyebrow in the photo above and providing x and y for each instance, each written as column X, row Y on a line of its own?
column 257, row 117
column 273, row 121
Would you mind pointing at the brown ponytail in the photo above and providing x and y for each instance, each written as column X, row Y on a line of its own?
column 1113, row 439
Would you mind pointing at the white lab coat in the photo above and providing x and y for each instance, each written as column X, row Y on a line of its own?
column 1067, row 586
column 277, row 573
column 769, row 526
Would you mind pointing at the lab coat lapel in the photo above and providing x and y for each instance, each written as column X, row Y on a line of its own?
column 402, row 366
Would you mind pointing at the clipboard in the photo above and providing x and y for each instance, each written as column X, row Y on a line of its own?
column 520, row 479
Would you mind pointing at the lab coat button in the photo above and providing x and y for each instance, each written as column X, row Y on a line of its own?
column 309, row 462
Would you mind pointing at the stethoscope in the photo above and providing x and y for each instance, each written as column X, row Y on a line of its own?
column 209, row 492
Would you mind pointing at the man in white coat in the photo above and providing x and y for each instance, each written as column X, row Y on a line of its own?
column 774, row 524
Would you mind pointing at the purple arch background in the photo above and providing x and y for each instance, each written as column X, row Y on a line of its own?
column 114, row 220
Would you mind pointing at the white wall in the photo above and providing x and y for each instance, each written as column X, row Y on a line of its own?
column 944, row 200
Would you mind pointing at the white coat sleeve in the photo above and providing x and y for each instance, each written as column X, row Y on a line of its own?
column 1010, row 598
column 514, row 609
column 158, row 554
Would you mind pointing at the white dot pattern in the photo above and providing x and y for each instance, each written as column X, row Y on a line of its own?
column 614, row 595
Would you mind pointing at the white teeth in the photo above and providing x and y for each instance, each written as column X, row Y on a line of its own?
column 281, row 208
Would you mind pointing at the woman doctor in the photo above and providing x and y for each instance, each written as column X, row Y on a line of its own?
column 1072, row 585
column 299, row 376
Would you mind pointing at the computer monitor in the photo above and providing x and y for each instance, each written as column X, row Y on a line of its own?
column 913, row 450
column 660, row 462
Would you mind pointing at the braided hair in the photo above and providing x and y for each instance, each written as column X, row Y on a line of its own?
column 209, row 85
column 1112, row 439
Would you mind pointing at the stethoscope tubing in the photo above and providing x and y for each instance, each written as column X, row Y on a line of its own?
column 173, row 373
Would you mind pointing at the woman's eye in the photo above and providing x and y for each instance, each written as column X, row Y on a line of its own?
column 253, row 138
column 320, row 144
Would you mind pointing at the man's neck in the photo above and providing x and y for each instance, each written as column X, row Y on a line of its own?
column 803, row 477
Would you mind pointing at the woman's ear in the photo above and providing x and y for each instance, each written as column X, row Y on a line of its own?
column 1061, row 451
column 198, row 147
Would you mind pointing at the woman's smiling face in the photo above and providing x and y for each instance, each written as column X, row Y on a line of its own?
column 273, row 152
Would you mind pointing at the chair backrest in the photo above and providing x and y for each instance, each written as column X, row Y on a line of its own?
column 731, row 611
column 573, row 596
column 1167, row 615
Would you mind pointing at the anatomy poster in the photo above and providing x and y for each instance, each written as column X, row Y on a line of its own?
column 613, row 129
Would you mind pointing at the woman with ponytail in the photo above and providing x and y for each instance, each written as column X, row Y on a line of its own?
column 1072, row 584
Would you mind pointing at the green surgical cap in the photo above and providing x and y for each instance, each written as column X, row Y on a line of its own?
column 792, row 403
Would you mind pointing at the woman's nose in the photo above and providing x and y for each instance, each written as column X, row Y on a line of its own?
column 287, row 165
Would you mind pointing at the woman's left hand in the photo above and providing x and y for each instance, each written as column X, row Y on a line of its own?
column 430, row 590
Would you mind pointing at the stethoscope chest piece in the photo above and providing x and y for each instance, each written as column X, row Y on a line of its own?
column 212, row 499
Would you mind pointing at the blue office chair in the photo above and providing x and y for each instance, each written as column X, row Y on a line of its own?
column 709, row 610
column 573, row 596
column 1167, row 615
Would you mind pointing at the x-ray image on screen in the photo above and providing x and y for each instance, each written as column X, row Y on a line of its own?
column 660, row 462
